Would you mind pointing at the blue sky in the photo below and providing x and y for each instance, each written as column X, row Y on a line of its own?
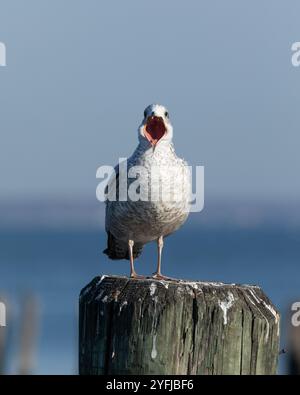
column 80, row 73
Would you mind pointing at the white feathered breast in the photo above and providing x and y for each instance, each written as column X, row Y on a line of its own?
column 143, row 221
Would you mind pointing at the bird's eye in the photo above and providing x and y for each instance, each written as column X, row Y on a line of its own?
column 166, row 114
column 145, row 114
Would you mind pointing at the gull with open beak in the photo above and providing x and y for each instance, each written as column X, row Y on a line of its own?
column 132, row 223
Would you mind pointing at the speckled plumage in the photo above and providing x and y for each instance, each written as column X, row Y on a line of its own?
column 144, row 221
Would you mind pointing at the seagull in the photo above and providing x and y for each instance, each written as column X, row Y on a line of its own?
column 131, row 223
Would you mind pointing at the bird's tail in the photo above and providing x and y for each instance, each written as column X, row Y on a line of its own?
column 118, row 249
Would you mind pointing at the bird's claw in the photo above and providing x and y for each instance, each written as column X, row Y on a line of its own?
column 136, row 276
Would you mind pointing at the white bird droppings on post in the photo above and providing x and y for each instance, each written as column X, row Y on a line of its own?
column 194, row 285
column 190, row 291
column 225, row 306
column 122, row 305
column 153, row 287
column 270, row 308
column 154, row 351
column 254, row 296
column 275, row 314
column 101, row 279
column 165, row 284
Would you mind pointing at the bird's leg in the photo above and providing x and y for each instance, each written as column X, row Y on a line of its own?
column 133, row 273
column 157, row 275
column 160, row 245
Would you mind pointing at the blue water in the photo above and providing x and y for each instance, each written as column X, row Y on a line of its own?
column 54, row 265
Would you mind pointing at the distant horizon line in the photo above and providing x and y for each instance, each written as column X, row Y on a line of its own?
column 86, row 213
column 83, row 199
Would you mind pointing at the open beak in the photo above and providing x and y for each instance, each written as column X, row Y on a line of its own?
column 154, row 129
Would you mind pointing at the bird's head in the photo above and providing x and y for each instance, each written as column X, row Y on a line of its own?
column 156, row 126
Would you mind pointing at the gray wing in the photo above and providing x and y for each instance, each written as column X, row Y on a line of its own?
column 116, row 249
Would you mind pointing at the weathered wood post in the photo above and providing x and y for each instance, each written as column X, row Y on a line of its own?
column 148, row 326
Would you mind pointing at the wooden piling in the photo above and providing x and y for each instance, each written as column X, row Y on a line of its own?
column 129, row 326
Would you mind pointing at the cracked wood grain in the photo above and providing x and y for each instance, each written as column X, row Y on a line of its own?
column 130, row 326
